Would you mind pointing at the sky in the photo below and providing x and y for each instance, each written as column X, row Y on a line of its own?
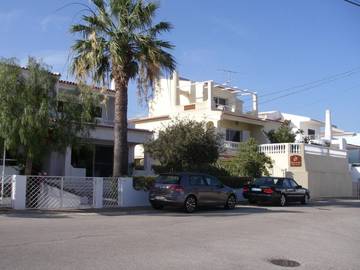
column 300, row 56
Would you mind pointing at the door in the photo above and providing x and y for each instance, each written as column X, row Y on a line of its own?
column 289, row 190
column 298, row 192
column 200, row 189
column 217, row 193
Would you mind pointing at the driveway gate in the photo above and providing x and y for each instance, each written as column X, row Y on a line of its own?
column 5, row 191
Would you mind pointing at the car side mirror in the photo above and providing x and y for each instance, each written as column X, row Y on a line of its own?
column 299, row 186
column 220, row 185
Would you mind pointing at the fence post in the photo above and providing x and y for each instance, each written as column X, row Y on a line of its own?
column 120, row 192
column 98, row 192
column 18, row 192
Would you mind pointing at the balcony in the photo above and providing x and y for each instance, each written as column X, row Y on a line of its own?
column 232, row 146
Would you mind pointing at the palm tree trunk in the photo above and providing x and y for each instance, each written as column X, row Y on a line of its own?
column 28, row 166
column 121, row 150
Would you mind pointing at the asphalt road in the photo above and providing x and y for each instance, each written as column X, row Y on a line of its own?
column 324, row 235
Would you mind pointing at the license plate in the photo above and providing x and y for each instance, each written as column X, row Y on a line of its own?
column 255, row 189
column 160, row 198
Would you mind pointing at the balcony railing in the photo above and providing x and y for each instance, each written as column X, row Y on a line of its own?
column 231, row 145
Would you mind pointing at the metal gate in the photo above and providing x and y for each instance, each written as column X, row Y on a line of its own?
column 54, row 192
column 5, row 191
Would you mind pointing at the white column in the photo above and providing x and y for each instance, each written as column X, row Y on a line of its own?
column 18, row 192
column 328, row 131
column 174, row 88
column 210, row 96
column 120, row 192
column 98, row 192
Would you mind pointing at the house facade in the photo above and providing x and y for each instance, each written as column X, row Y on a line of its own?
column 217, row 104
column 93, row 157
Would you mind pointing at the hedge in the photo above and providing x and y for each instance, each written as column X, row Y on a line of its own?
column 143, row 182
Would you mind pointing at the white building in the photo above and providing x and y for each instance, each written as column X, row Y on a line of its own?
column 218, row 104
column 94, row 156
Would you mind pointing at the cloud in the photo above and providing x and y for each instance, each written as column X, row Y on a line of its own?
column 8, row 18
column 54, row 21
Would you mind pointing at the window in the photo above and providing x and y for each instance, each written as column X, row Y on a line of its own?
column 212, row 181
column 311, row 132
column 220, row 101
column 234, row 135
column 293, row 183
column 97, row 112
column 286, row 184
column 196, row 180
column 167, row 179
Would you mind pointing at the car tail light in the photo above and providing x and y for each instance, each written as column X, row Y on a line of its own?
column 267, row 190
column 245, row 189
column 177, row 188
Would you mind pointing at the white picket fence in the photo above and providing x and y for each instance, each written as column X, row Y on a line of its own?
column 58, row 192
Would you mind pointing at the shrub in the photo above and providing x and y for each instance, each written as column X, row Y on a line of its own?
column 143, row 182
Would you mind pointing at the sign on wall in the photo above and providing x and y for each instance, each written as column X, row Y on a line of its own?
column 295, row 161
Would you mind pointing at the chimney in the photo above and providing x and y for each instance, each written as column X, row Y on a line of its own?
column 254, row 103
column 328, row 126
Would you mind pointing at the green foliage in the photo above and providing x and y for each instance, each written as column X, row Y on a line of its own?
column 143, row 182
column 248, row 162
column 185, row 145
column 283, row 134
column 30, row 122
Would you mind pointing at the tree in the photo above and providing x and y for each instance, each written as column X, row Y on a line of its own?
column 283, row 134
column 248, row 161
column 120, row 42
column 186, row 145
column 34, row 119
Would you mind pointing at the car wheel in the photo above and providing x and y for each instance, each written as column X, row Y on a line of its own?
column 305, row 200
column 190, row 204
column 157, row 206
column 231, row 202
column 283, row 200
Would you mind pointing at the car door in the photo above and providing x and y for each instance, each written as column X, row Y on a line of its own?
column 217, row 193
column 200, row 189
column 289, row 190
column 299, row 192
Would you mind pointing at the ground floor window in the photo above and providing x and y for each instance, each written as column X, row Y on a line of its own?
column 97, row 160
column 234, row 135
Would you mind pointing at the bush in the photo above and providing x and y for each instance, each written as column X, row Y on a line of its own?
column 234, row 181
column 143, row 182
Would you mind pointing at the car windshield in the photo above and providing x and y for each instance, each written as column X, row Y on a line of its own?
column 265, row 181
column 167, row 179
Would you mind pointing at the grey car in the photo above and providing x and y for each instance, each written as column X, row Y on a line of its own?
column 190, row 190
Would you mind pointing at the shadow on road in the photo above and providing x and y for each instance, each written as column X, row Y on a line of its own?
column 240, row 210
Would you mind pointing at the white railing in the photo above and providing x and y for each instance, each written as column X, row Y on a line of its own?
column 280, row 148
column 231, row 145
column 296, row 148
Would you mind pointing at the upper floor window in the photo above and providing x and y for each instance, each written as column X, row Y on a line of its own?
column 220, row 101
column 311, row 132
column 234, row 135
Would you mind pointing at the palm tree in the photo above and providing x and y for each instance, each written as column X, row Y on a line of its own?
column 119, row 41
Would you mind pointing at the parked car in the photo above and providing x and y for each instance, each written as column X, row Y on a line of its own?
column 190, row 190
column 275, row 190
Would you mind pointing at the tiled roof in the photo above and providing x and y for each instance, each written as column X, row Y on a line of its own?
column 75, row 84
